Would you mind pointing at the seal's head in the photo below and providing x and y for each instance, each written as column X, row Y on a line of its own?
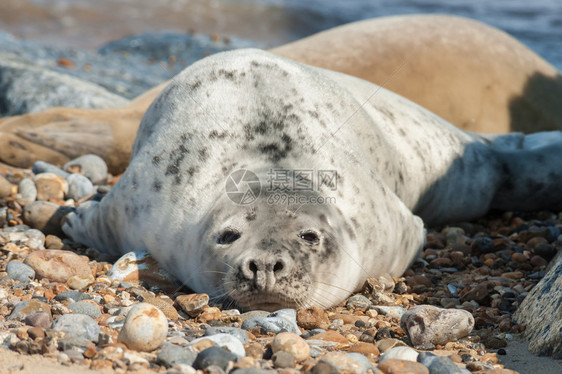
column 270, row 255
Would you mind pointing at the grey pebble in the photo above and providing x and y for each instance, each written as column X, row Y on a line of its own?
column 275, row 322
column 92, row 166
column 22, row 309
column 77, row 343
column 85, row 307
column 231, row 343
column 234, row 331
column 270, row 324
column 361, row 360
column 213, row 356
column 35, row 239
column 171, row 355
column 315, row 351
column 72, row 295
column 79, row 187
column 282, row 360
column 40, row 167
column 77, row 325
column 391, row 311
column 313, row 332
column 39, row 319
column 252, row 371
column 358, row 301
column 438, row 365
column 20, row 271
column 27, row 191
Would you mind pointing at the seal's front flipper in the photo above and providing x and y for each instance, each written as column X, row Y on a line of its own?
column 531, row 171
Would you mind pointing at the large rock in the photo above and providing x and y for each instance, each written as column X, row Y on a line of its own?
column 126, row 67
column 429, row 325
column 27, row 88
column 541, row 311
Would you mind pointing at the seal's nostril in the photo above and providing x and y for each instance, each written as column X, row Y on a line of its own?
column 278, row 266
column 253, row 267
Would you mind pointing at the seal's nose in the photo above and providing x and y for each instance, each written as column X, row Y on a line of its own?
column 264, row 271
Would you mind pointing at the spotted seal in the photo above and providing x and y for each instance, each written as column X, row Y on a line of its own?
column 473, row 75
column 238, row 118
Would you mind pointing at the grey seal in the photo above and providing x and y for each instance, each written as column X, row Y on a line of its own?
column 240, row 118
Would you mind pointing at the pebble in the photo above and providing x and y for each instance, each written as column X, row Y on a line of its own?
column 291, row 343
column 172, row 355
column 361, row 360
column 91, row 166
column 313, row 318
column 164, row 305
column 331, row 336
column 271, row 324
column 343, row 363
column 27, row 192
column 234, row 331
column 282, row 360
column 193, row 304
column 58, row 265
column 72, row 296
column 26, row 308
column 20, row 272
column 50, row 187
column 391, row 311
column 40, row 167
column 137, row 266
column 396, row 366
column 77, row 326
column 438, row 365
column 478, row 293
column 85, row 307
column 45, row 216
column 39, row 319
column 427, row 324
column 213, row 356
column 483, row 245
column 145, row 328
column 358, row 302
column 36, row 333
column 79, row 187
column 227, row 341
column 79, row 282
column 400, row 353
column 364, row 348
column 538, row 261
column 5, row 187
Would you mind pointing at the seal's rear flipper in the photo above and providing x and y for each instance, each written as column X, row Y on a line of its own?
column 531, row 171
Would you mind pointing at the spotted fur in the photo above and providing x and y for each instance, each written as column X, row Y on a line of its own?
column 251, row 110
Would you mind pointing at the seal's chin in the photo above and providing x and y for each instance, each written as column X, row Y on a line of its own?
column 268, row 302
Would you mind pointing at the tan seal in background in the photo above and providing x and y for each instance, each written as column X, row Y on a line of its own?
column 473, row 75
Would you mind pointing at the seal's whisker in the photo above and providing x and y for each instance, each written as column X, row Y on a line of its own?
column 333, row 286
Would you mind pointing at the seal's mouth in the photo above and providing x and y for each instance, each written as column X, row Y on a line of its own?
column 268, row 302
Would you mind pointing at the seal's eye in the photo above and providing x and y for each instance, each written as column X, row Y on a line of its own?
column 309, row 236
column 228, row 236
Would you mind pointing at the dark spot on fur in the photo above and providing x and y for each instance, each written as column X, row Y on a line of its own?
column 214, row 134
column 251, row 215
column 156, row 186
column 203, row 154
column 155, row 160
column 227, row 74
column 195, row 85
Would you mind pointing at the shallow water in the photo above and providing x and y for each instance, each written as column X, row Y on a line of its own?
column 90, row 23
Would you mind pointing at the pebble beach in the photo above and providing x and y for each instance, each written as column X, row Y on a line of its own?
column 451, row 312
